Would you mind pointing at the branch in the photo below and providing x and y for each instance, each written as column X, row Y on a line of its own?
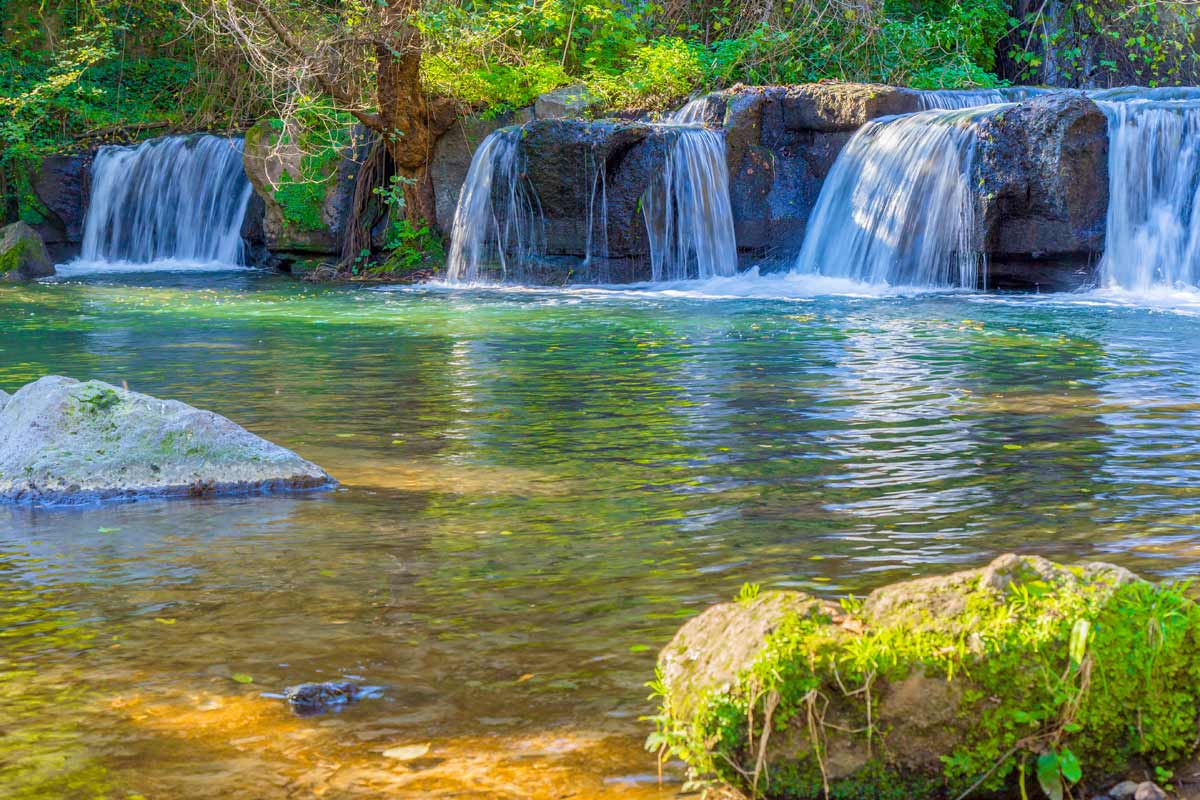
column 338, row 93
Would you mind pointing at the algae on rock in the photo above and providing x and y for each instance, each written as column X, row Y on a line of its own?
column 1024, row 671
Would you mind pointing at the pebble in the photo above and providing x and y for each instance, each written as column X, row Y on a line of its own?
column 1123, row 790
column 1149, row 791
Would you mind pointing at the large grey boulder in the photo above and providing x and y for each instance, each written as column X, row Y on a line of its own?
column 23, row 254
column 63, row 441
column 1041, row 177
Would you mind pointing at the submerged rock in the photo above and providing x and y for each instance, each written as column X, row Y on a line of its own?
column 23, row 255
column 931, row 686
column 63, row 441
column 310, row 699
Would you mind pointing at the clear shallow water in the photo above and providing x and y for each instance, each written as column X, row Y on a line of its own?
column 539, row 487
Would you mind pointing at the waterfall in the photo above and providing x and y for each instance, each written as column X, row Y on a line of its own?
column 897, row 207
column 1152, row 234
column 688, row 214
column 179, row 199
column 957, row 99
column 489, row 236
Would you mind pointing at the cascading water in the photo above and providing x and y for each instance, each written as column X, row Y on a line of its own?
column 177, row 200
column 1152, row 234
column 688, row 214
column 897, row 209
column 488, row 236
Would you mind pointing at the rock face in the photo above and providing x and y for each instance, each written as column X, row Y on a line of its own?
column 932, row 685
column 23, row 254
column 452, row 158
column 568, row 102
column 62, row 441
column 305, row 190
column 62, row 185
column 1042, row 175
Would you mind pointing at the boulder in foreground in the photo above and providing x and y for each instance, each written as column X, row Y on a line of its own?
column 931, row 688
column 63, row 442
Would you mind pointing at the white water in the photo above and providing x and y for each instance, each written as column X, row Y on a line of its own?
column 1152, row 239
column 170, row 203
column 490, row 240
column 897, row 209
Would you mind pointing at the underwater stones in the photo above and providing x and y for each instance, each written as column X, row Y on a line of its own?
column 568, row 102
column 1041, row 177
column 65, row 442
column 930, row 686
column 23, row 255
column 310, row 699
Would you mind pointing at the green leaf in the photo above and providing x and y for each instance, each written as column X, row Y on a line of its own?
column 1049, row 777
column 242, row 677
column 1079, row 640
column 1069, row 766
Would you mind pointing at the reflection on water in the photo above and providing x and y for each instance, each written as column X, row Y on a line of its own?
column 537, row 488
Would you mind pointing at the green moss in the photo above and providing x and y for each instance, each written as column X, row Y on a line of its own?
column 10, row 259
column 1047, row 673
column 301, row 197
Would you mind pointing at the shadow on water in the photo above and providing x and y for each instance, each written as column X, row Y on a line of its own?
column 537, row 489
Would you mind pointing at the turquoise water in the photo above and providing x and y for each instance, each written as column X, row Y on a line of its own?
column 538, row 487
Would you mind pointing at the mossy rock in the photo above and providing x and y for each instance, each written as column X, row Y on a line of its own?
column 933, row 687
column 306, row 181
column 23, row 254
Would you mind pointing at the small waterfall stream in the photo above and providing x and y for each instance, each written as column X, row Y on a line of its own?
column 1152, row 237
column 177, row 200
column 688, row 214
column 896, row 208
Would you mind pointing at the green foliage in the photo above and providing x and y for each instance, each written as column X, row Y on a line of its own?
column 410, row 247
column 1068, row 681
column 1109, row 42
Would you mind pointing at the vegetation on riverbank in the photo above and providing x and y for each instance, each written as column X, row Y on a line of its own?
column 1019, row 675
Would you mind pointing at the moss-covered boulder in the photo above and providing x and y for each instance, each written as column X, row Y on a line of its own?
column 1022, row 671
column 63, row 441
column 306, row 182
column 23, row 254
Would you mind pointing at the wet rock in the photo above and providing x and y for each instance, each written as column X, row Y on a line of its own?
column 310, row 699
column 568, row 102
column 23, row 254
column 63, row 442
column 1149, row 791
column 1041, row 172
column 1123, row 790
column 61, row 184
column 771, row 695
column 452, row 158
column 781, row 142
column 306, row 187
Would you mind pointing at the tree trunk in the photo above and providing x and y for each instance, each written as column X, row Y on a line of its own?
column 408, row 129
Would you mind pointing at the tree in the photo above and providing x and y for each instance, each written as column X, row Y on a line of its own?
column 361, row 57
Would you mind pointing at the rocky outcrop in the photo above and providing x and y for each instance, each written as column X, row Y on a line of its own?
column 1041, row 174
column 23, row 254
column 935, row 686
column 452, row 158
column 62, row 185
column 568, row 102
column 63, row 442
column 305, row 188
column 781, row 143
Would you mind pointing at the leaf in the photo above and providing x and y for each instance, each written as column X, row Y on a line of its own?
column 107, row 530
column 1048, row 776
column 407, row 752
column 242, row 677
column 1069, row 766
column 1079, row 640
column 165, row 620
column 527, row 676
column 638, row 648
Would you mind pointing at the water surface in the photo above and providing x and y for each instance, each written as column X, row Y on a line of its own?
column 538, row 488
